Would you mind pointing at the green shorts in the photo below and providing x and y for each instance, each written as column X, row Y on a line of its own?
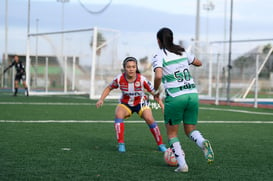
column 181, row 108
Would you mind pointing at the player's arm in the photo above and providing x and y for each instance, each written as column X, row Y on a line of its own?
column 193, row 60
column 104, row 94
column 157, row 82
column 6, row 69
column 196, row 62
column 160, row 102
column 157, row 66
column 148, row 86
column 157, row 63
column 158, row 78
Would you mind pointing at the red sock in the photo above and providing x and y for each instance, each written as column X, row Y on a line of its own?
column 119, row 127
column 156, row 133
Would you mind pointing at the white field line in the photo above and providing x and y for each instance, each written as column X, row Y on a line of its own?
column 49, row 103
column 235, row 110
column 111, row 121
column 90, row 104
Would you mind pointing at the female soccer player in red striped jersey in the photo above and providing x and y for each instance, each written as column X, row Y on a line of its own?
column 132, row 85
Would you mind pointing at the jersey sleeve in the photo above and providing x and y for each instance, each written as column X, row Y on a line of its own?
column 115, row 82
column 12, row 64
column 147, row 84
column 190, row 57
column 157, row 61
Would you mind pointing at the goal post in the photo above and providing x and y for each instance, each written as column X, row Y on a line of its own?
column 257, row 72
column 93, row 67
column 72, row 62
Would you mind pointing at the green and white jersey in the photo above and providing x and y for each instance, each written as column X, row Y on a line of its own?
column 176, row 79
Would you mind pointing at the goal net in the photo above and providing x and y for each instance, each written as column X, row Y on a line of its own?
column 250, row 70
column 72, row 62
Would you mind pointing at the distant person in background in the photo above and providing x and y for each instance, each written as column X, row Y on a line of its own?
column 132, row 85
column 171, row 67
column 20, row 74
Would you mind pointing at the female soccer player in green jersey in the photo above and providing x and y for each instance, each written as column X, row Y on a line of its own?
column 171, row 67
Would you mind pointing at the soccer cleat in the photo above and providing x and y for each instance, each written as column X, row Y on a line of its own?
column 162, row 148
column 208, row 152
column 183, row 169
column 121, row 147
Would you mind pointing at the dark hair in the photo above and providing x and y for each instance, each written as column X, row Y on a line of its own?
column 165, row 37
column 128, row 59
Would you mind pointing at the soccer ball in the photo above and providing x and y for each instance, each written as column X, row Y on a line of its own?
column 169, row 158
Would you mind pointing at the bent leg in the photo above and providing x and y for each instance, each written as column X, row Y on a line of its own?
column 200, row 141
column 172, row 132
column 149, row 119
column 194, row 135
column 120, row 114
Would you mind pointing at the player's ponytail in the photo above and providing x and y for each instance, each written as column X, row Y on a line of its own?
column 165, row 40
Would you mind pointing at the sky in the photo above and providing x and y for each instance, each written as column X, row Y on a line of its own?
column 139, row 20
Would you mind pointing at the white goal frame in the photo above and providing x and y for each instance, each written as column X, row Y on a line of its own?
column 93, row 93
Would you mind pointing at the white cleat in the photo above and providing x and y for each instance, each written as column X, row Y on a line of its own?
column 183, row 169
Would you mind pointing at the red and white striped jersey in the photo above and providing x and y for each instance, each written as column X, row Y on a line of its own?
column 134, row 92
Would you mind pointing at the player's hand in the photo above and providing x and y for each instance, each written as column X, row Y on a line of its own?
column 99, row 103
column 159, row 101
